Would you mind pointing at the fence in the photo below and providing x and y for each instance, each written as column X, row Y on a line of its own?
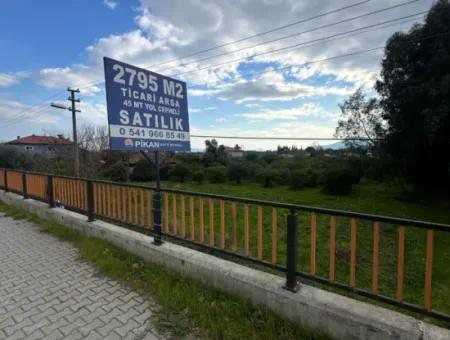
column 384, row 258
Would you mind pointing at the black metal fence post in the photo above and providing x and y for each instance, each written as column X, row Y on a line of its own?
column 24, row 185
column 6, row 180
column 157, row 230
column 51, row 199
column 90, row 200
column 292, row 251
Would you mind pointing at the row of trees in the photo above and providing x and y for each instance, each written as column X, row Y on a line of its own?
column 408, row 124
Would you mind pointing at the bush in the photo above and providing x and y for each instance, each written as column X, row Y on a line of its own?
column 236, row 172
column 301, row 179
column 12, row 158
column 339, row 181
column 267, row 177
column 217, row 174
column 198, row 176
column 180, row 172
column 143, row 171
column 116, row 172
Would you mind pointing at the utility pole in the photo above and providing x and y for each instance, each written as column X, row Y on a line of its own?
column 74, row 110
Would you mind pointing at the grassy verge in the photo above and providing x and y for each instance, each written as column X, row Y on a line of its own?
column 187, row 307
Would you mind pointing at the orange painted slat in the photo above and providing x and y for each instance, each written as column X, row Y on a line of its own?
column 274, row 235
column 429, row 270
column 376, row 257
column 234, row 226
column 202, row 221
column 400, row 263
column 183, row 217
column 246, row 231
column 212, row 235
column 353, row 253
column 174, row 214
column 136, row 206
column 312, row 264
column 260, row 234
column 141, row 206
column 192, row 217
column 166, row 212
column 332, row 248
column 149, row 208
column 222, row 224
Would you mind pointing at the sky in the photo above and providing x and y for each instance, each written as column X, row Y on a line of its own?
column 289, row 85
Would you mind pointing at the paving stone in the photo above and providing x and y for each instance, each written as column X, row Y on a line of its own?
column 47, row 292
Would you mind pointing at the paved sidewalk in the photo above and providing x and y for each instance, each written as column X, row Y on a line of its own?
column 46, row 292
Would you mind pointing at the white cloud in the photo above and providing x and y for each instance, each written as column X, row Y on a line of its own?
column 271, row 86
column 221, row 120
column 8, row 79
column 305, row 110
column 110, row 4
column 203, row 109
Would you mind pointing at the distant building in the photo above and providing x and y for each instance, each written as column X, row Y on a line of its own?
column 234, row 152
column 47, row 146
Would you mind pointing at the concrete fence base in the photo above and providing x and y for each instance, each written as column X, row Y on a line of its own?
column 338, row 316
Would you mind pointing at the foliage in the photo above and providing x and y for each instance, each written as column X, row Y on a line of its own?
column 116, row 172
column 143, row 171
column 214, row 153
column 415, row 96
column 217, row 174
column 301, row 179
column 180, row 172
column 236, row 172
column 339, row 181
column 198, row 176
column 12, row 158
column 361, row 117
column 267, row 176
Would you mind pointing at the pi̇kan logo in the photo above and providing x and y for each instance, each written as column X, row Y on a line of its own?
column 128, row 142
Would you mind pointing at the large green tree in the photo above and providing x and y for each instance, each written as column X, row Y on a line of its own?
column 415, row 97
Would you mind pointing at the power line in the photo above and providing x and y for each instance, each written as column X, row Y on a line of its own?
column 296, row 45
column 300, row 33
column 281, row 138
column 247, row 37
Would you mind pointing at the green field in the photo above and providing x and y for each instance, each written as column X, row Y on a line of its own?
column 367, row 197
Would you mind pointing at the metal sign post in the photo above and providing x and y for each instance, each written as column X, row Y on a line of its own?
column 147, row 111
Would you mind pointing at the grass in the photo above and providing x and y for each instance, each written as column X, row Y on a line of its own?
column 187, row 307
column 367, row 197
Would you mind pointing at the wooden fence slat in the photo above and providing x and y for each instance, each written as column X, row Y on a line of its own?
column 353, row 253
column 202, row 221
column 274, row 235
column 246, row 231
column 312, row 264
column 222, row 224
column 400, row 263
column 192, row 217
column 130, row 206
column 429, row 270
column 183, row 217
column 174, row 214
column 234, row 226
column 149, row 208
column 124, row 203
column 141, row 206
column 260, row 235
column 376, row 257
column 136, row 206
column 166, row 212
column 212, row 235
column 332, row 248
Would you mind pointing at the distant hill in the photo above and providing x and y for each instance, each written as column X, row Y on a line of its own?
column 341, row 145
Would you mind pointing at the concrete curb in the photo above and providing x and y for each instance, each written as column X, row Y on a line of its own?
column 332, row 314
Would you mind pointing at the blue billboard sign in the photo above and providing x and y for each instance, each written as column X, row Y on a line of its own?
column 146, row 111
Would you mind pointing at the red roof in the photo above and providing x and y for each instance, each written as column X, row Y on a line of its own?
column 42, row 140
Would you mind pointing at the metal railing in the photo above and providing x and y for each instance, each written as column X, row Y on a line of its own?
column 325, row 245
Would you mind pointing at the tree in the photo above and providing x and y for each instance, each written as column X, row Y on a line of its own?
column 214, row 153
column 361, row 117
column 415, row 96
